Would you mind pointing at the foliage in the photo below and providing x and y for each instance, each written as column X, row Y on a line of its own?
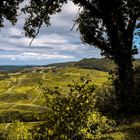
column 67, row 113
column 106, row 100
column 98, row 125
column 8, row 10
column 17, row 131
column 74, row 115
column 136, row 95
column 108, row 104
column 109, row 25
column 103, row 23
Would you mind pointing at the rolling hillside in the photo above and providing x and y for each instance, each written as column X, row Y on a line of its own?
column 21, row 98
column 20, row 94
column 102, row 64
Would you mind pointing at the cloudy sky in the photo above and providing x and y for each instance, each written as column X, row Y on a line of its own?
column 54, row 44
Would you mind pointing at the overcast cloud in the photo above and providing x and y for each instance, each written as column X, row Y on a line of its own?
column 54, row 44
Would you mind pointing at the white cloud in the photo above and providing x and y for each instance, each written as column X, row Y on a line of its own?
column 39, row 56
column 14, row 31
column 56, row 43
column 66, row 17
column 35, row 56
column 44, row 40
column 13, row 58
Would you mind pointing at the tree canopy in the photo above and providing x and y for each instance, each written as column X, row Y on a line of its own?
column 104, row 24
column 99, row 20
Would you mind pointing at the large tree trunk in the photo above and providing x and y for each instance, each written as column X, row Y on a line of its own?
column 124, row 82
column 121, row 42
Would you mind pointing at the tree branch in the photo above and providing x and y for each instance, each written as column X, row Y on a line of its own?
column 50, row 2
column 87, row 5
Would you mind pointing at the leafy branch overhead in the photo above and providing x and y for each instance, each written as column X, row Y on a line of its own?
column 99, row 21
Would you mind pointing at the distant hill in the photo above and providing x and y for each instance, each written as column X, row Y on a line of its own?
column 63, row 64
column 102, row 64
column 13, row 68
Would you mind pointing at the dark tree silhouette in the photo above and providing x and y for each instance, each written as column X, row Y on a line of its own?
column 106, row 24
column 109, row 25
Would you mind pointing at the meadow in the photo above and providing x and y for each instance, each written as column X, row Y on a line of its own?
column 21, row 97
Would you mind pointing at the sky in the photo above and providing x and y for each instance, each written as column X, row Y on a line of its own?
column 54, row 44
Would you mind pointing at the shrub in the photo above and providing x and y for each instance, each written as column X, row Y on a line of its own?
column 98, row 126
column 17, row 131
column 67, row 113
column 106, row 100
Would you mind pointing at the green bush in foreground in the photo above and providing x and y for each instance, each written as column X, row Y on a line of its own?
column 68, row 113
column 72, row 116
column 106, row 100
column 17, row 131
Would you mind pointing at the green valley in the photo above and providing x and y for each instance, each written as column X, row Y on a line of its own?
column 21, row 98
column 19, row 92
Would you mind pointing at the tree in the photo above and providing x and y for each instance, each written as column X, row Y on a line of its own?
column 108, row 25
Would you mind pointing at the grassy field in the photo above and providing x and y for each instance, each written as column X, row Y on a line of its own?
column 21, row 98
column 20, row 93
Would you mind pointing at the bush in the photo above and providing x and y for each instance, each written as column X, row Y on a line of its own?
column 106, row 100
column 17, row 131
column 67, row 113
column 98, row 127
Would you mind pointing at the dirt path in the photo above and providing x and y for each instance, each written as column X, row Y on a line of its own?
column 14, row 105
column 8, row 91
column 28, row 105
column 36, row 98
column 43, row 77
column 7, row 125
